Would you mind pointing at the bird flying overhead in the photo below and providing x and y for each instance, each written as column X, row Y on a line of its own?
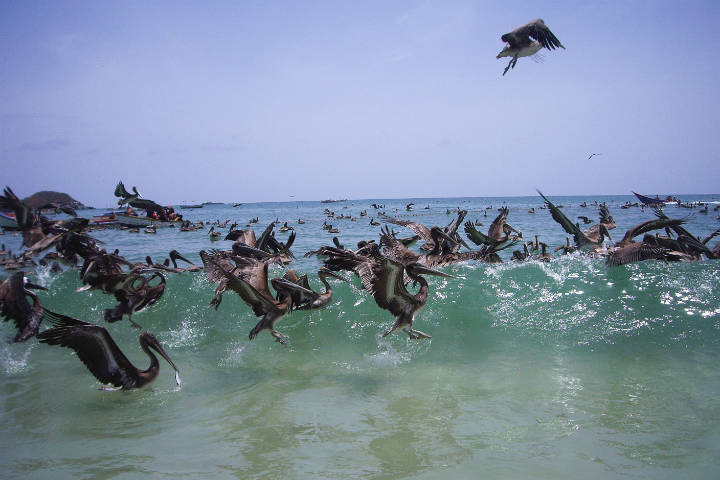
column 519, row 43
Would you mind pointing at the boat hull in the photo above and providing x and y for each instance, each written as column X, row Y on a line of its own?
column 7, row 220
column 136, row 221
column 652, row 201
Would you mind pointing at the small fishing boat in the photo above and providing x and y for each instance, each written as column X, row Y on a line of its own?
column 107, row 219
column 655, row 201
column 191, row 206
column 7, row 220
column 138, row 221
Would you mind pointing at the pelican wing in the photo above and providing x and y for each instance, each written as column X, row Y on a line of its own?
column 23, row 214
column 264, row 238
column 495, row 232
column 478, row 238
column 711, row 236
column 636, row 252
column 535, row 29
column 560, row 218
column 93, row 345
column 258, row 299
column 121, row 192
column 383, row 279
column 649, row 226
column 396, row 250
column 213, row 261
column 418, row 228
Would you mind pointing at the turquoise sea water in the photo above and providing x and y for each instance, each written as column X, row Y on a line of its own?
column 561, row 370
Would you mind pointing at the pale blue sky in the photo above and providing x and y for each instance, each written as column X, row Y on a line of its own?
column 261, row 100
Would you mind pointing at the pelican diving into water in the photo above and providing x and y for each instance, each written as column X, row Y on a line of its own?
column 101, row 355
column 519, row 43
column 383, row 279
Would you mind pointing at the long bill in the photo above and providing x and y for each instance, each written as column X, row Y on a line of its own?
column 158, row 348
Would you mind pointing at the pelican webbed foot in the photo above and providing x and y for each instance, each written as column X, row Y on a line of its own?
column 135, row 325
column 279, row 337
column 416, row 334
column 510, row 65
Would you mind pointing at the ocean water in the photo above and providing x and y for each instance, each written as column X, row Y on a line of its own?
column 562, row 370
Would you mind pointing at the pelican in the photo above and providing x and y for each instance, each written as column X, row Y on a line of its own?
column 14, row 305
column 396, row 250
column 383, row 279
column 450, row 241
column 518, row 43
column 252, row 286
column 101, row 355
column 498, row 233
column 582, row 239
column 213, row 234
column 134, row 296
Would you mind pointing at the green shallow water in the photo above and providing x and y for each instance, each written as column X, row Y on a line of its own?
column 534, row 370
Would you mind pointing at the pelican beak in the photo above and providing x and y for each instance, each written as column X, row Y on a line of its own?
column 180, row 257
column 286, row 284
column 329, row 273
column 423, row 270
column 34, row 286
column 158, row 348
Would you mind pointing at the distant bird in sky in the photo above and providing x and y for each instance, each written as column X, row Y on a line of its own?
column 593, row 154
column 519, row 43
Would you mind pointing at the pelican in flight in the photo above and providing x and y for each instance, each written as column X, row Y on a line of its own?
column 101, row 355
column 14, row 305
column 519, row 43
column 591, row 238
column 383, row 279
column 249, row 280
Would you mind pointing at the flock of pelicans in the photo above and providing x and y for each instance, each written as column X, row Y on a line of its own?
column 385, row 268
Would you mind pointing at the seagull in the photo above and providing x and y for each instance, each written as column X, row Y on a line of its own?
column 593, row 154
column 519, row 43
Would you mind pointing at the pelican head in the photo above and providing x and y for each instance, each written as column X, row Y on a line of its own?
column 151, row 341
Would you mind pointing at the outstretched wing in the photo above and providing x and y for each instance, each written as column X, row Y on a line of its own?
column 120, row 191
column 560, row 218
column 475, row 236
column 93, row 345
column 535, row 29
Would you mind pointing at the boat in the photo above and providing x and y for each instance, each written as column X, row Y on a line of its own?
column 655, row 201
column 192, row 206
column 138, row 221
column 105, row 220
column 7, row 220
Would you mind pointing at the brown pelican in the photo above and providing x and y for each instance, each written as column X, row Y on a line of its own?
column 251, row 283
column 544, row 255
column 396, row 250
column 449, row 242
column 14, row 305
column 519, row 43
column 499, row 233
column 28, row 222
column 100, row 354
column 135, row 293
column 581, row 239
column 213, row 234
column 383, row 279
